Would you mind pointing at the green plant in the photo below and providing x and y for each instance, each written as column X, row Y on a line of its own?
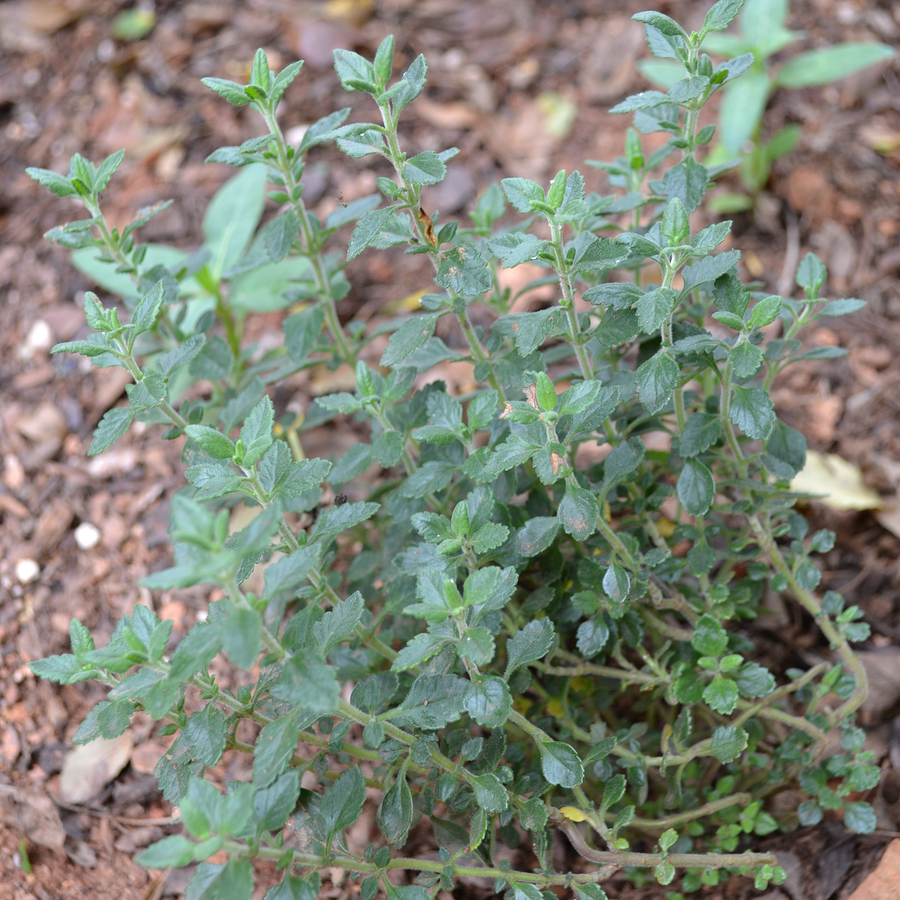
column 762, row 34
column 534, row 642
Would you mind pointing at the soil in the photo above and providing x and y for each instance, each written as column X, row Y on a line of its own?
column 501, row 74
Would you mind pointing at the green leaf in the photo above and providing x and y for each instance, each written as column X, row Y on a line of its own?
column 205, row 733
column 696, row 487
column 643, row 100
column 309, row 683
column 430, row 477
column 272, row 805
column 424, row 168
column 654, row 307
column 395, row 811
column 841, row 307
column 413, row 81
column 578, row 511
column 280, row 234
column 232, row 216
column 728, row 742
column 341, row 806
column 785, row 454
column 742, row 109
column 339, row 623
column 341, row 518
column 275, row 745
column 522, row 193
column 515, row 248
column 617, row 583
column 811, row 275
column 830, row 64
column 614, row 294
column 59, row 184
column 709, row 269
column 488, row 701
column 256, row 433
column 687, row 182
column 661, row 23
column 176, row 850
column 463, row 270
column 537, row 535
column 701, row 431
column 368, row 228
column 412, row 334
column 745, row 358
column 241, row 637
column 230, row 90
column 721, row 15
column 489, row 537
column 621, row 461
column 355, row 72
column 112, row 426
column 528, row 645
column 211, row 441
column 709, row 638
column 435, row 700
column 721, row 694
column 656, row 379
column 676, row 226
column 753, row 680
column 420, row 649
column 860, row 817
column 560, row 764
column 490, row 795
column 766, row 311
column 752, row 411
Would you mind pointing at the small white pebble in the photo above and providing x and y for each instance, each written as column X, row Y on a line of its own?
column 40, row 336
column 27, row 570
column 87, row 536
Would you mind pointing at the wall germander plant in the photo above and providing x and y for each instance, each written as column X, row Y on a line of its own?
column 507, row 636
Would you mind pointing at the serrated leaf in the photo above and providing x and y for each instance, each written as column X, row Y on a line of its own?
column 367, row 230
column 339, row 623
column 488, row 701
column 745, row 358
column 654, row 307
column 435, row 701
column 490, row 795
column 752, row 411
column 112, row 426
column 656, row 379
column 274, row 747
column 411, row 335
column 516, row 247
column 578, row 511
column 424, row 168
column 528, row 645
column 463, row 269
column 728, row 742
column 308, row 682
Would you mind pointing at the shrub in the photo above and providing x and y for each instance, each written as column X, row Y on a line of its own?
column 531, row 640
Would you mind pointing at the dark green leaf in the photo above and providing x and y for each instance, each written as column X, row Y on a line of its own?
column 701, row 431
column 728, row 742
column 745, row 358
column 341, row 806
column 709, row 269
column 490, row 795
column 112, row 426
column 696, row 487
column 275, row 746
column 578, row 511
column 339, row 623
column 688, row 182
column 721, row 694
column 463, row 270
column 369, row 227
column 537, row 535
column 308, row 682
column 425, row 168
column 752, row 411
column 560, row 764
column 656, row 379
column 395, row 812
column 435, row 700
column 411, row 335
column 488, row 701
column 654, row 307
column 528, row 645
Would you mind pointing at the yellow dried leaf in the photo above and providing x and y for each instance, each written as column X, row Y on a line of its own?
column 573, row 814
column 839, row 482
